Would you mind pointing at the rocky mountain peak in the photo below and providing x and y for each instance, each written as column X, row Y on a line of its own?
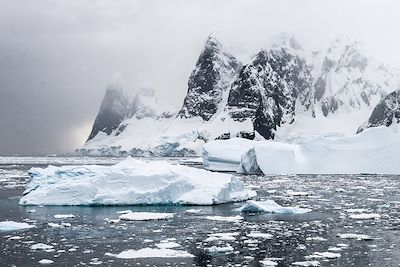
column 209, row 81
column 114, row 108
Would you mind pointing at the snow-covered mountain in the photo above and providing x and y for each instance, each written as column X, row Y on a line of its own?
column 386, row 113
column 284, row 92
column 210, row 81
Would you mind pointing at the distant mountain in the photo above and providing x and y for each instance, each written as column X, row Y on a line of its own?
column 115, row 107
column 284, row 92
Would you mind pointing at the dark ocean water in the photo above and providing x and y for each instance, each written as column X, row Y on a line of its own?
column 332, row 198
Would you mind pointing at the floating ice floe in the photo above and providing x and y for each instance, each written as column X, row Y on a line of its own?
column 260, row 235
column 311, row 156
column 306, row 263
column 220, row 250
column 168, row 245
column 221, row 237
column 132, row 182
column 355, row 236
column 268, row 263
column 61, row 225
column 64, row 216
column 146, row 216
column 365, row 216
column 14, row 226
column 193, row 211
column 271, row 206
column 41, row 246
column 236, row 218
column 46, row 261
column 151, row 253
column 325, row 255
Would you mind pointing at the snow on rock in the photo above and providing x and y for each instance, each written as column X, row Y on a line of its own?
column 386, row 112
column 46, row 261
column 375, row 150
column 145, row 216
column 151, row 253
column 14, row 226
column 132, row 182
column 271, row 206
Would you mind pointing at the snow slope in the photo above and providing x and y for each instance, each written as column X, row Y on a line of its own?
column 131, row 182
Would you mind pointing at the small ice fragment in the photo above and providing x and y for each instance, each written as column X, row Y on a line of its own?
column 64, row 216
column 46, row 261
column 145, row 216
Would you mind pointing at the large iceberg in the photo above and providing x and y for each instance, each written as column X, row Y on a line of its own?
column 132, row 182
column 376, row 150
column 372, row 151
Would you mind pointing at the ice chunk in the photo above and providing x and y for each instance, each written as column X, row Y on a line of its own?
column 220, row 250
column 64, row 216
column 14, row 226
column 355, row 236
column 326, row 255
column 306, row 263
column 221, row 236
column 260, row 235
column 193, row 211
column 132, row 182
column 169, row 245
column 271, row 206
column 365, row 216
column 46, row 261
column 236, row 218
column 268, row 263
column 41, row 246
column 145, row 216
column 151, row 253
column 225, row 155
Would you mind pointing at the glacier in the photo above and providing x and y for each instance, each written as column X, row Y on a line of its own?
column 376, row 150
column 132, row 182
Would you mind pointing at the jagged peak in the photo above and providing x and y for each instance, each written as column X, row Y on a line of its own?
column 212, row 42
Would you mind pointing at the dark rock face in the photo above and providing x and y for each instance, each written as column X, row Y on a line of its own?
column 114, row 108
column 210, row 79
column 266, row 90
column 385, row 113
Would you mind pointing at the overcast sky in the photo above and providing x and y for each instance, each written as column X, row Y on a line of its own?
column 56, row 57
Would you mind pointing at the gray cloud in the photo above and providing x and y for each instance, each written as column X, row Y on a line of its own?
column 56, row 57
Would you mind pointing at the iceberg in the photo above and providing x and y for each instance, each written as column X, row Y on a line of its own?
column 375, row 150
column 271, row 206
column 132, row 182
column 14, row 226
column 225, row 155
